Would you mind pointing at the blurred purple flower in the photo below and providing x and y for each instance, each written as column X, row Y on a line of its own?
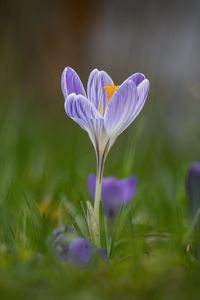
column 193, row 187
column 106, row 110
column 80, row 251
column 115, row 192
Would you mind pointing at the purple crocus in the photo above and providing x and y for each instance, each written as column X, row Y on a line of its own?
column 78, row 250
column 105, row 111
column 115, row 192
column 193, row 187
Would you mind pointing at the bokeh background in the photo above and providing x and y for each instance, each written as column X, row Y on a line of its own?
column 45, row 156
column 158, row 38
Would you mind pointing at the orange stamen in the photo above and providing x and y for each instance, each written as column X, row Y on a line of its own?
column 110, row 89
column 101, row 109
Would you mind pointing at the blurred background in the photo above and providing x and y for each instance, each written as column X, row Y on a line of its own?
column 39, row 38
column 159, row 38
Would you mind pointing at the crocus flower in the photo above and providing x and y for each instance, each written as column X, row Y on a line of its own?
column 115, row 192
column 193, row 187
column 105, row 111
column 78, row 250
column 60, row 240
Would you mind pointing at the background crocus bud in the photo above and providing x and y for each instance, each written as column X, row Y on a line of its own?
column 80, row 251
column 68, row 246
column 61, row 238
column 115, row 192
column 193, row 187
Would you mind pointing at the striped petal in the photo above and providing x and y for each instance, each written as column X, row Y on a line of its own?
column 77, row 106
column 143, row 90
column 137, row 78
column 121, row 108
column 85, row 114
column 95, row 88
column 71, row 83
column 125, row 106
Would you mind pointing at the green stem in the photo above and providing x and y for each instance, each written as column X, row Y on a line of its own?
column 101, row 154
column 100, row 167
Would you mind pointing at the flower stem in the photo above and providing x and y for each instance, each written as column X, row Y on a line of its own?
column 101, row 154
column 100, row 167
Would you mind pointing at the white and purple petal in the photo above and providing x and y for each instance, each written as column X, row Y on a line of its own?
column 71, row 83
column 143, row 91
column 120, row 108
column 95, row 88
column 137, row 78
column 79, row 108
column 125, row 106
column 85, row 114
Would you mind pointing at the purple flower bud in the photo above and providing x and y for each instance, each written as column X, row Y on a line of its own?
column 193, row 187
column 80, row 251
column 69, row 247
column 60, row 239
column 115, row 192
column 62, row 230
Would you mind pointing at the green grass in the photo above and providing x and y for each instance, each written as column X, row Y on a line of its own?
column 47, row 156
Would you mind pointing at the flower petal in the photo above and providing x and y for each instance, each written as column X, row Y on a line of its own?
column 115, row 192
column 193, row 188
column 95, row 88
column 143, row 91
column 121, row 108
column 112, row 196
column 80, row 251
column 91, row 185
column 137, row 78
column 71, row 83
column 85, row 114
column 129, row 186
column 125, row 106
column 80, row 109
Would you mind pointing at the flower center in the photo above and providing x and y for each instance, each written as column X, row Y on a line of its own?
column 110, row 89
